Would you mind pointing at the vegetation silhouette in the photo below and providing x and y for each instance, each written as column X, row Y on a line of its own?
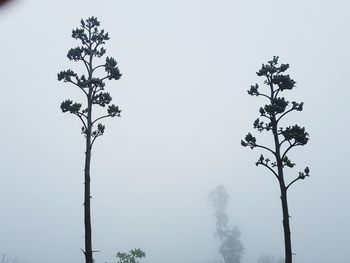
column 231, row 247
column 131, row 256
column 92, row 86
column 285, row 138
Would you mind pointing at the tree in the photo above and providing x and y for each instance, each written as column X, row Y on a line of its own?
column 269, row 259
column 131, row 256
column 285, row 139
column 92, row 85
column 231, row 247
column 4, row 258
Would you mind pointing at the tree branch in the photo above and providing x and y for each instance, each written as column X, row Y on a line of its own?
column 266, row 148
column 285, row 140
column 285, row 114
column 264, row 95
column 79, row 116
column 264, row 115
column 269, row 81
column 71, row 81
column 85, row 63
column 102, row 117
column 93, row 140
column 292, row 182
column 99, row 66
column 105, row 77
column 97, row 45
column 277, row 91
column 287, row 150
column 268, row 167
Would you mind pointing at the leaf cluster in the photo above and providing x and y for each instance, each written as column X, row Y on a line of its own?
column 250, row 141
column 304, row 174
column 271, row 113
column 92, row 40
column 131, row 256
column 277, row 82
column 295, row 135
column 70, row 106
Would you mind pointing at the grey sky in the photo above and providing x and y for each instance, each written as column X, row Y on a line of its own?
column 186, row 67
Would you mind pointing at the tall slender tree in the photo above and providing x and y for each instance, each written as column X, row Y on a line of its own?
column 92, row 85
column 231, row 247
column 284, row 138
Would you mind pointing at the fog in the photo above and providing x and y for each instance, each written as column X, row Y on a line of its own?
column 186, row 65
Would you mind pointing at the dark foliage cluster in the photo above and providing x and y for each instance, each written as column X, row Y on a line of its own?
column 130, row 257
column 272, row 112
column 92, row 40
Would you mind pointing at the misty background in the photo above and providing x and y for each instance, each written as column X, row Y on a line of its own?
column 187, row 65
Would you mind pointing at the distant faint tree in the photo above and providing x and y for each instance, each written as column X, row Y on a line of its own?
column 269, row 259
column 231, row 247
column 4, row 258
column 284, row 138
column 131, row 256
column 92, row 86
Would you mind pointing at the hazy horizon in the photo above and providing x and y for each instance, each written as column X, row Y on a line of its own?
column 187, row 66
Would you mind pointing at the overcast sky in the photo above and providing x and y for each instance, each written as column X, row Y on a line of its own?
column 186, row 65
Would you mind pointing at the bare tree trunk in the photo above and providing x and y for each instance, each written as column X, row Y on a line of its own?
column 87, row 195
column 87, row 209
column 284, row 201
column 286, row 227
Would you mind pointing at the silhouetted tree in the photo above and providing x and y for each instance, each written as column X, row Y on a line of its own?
column 131, row 256
column 92, row 85
column 285, row 138
column 231, row 247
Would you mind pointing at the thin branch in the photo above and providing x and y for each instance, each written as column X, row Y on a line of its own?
column 105, row 77
column 267, row 117
column 98, row 67
column 264, row 95
column 279, row 133
column 266, row 148
column 97, row 90
column 93, row 140
column 277, row 91
column 85, row 63
column 102, row 117
column 285, row 140
column 76, row 84
column 97, row 45
column 268, row 167
column 285, row 114
column 79, row 116
column 292, row 182
column 287, row 150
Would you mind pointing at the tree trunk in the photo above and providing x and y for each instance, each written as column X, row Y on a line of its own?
column 87, row 197
column 286, row 227
column 284, row 201
column 87, row 207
